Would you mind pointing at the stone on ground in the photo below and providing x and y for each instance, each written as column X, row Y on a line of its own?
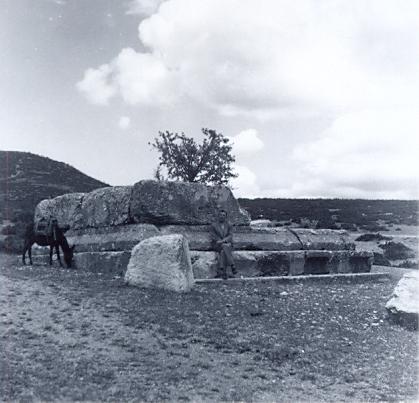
column 403, row 306
column 161, row 262
column 261, row 223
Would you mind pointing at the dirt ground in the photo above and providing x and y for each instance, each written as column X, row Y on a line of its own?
column 68, row 335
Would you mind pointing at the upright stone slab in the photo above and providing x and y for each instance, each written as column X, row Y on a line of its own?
column 161, row 262
column 163, row 203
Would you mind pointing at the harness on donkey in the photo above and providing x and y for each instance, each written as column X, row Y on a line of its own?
column 47, row 228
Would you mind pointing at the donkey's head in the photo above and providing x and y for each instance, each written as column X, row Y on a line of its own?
column 68, row 256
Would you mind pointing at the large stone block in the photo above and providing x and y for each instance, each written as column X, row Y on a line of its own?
column 403, row 306
column 96, row 262
column 323, row 239
column 248, row 263
column 161, row 202
column 66, row 209
column 120, row 238
column 252, row 238
column 102, row 262
column 161, row 262
column 281, row 263
column 105, row 207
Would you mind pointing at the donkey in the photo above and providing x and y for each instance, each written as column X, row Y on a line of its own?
column 56, row 240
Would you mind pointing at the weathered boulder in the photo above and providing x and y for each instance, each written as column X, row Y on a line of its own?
column 403, row 306
column 105, row 207
column 161, row 202
column 66, row 209
column 161, row 262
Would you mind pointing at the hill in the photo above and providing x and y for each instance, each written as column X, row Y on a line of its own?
column 26, row 179
column 370, row 215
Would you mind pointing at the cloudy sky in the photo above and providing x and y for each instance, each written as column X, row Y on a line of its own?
column 320, row 97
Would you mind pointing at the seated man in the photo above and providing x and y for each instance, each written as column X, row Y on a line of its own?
column 222, row 241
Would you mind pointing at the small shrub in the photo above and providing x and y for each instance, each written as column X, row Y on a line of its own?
column 372, row 237
column 8, row 230
column 397, row 251
column 408, row 264
column 348, row 226
column 373, row 227
column 380, row 260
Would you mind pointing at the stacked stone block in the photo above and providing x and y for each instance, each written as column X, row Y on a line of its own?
column 107, row 223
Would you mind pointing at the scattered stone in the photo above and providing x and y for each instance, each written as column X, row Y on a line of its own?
column 261, row 223
column 403, row 306
column 161, row 262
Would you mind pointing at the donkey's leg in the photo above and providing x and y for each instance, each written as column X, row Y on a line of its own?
column 57, row 250
column 30, row 254
column 25, row 248
column 51, row 249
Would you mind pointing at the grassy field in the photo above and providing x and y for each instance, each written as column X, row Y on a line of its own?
column 67, row 335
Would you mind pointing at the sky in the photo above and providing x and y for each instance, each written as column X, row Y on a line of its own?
column 319, row 97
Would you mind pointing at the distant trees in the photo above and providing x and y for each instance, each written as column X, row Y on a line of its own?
column 184, row 159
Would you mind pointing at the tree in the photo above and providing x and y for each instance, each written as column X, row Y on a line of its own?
column 184, row 159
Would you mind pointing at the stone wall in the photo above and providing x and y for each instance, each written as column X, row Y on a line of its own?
column 107, row 223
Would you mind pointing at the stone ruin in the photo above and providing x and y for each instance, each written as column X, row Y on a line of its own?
column 107, row 223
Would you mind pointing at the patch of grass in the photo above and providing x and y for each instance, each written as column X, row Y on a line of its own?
column 144, row 344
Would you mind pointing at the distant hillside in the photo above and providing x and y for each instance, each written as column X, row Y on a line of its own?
column 26, row 179
column 371, row 215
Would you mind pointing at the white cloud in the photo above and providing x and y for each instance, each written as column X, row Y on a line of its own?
column 247, row 142
column 124, row 122
column 258, row 59
column 59, row 2
column 96, row 86
column 139, row 78
column 272, row 64
column 245, row 185
column 363, row 154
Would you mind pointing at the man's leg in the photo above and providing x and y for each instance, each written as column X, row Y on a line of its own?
column 228, row 258
column 221, row 266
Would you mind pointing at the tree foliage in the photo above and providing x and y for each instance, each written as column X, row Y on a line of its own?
column 184, row 159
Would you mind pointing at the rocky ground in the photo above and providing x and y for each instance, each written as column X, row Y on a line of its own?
column 68, row 335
